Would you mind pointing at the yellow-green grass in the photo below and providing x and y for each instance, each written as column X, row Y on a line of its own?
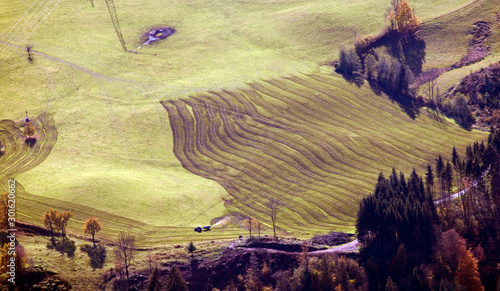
column 313, row 142
column 113, row 157
column 447, row 37
column 454, row 77
column 77, row 270
column 80, row 274
column 216, row 41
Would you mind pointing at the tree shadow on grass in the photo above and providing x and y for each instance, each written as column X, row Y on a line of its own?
column 357, row 80
column 63, row 246
column 97, row 255
column 406, row 103
column 409, row 50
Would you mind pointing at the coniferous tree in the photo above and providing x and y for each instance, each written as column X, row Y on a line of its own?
column 154, row 280
column 448, row 177
column 429, row 178
column 349, row 62
column 439, row 173
column 455, row 159
column 371, row 67
column 400, row 211
column 175, row 282
column 191, row 248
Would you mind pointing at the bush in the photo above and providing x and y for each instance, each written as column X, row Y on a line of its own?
column 458, row 109
column 363, row 44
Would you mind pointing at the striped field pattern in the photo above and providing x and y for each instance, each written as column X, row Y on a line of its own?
column 312, row 141
column 19, row 157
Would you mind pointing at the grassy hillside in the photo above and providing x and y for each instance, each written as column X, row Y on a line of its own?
column 313, row 142
column 113, row 157
column 447, row 37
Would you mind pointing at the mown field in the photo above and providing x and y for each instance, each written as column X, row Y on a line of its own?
column 116, row 156
column 313, row 142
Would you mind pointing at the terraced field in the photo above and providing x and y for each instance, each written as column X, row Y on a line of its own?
column 311, row 141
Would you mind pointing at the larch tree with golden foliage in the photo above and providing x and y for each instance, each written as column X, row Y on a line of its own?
column 91, row 226
column 403, row 19
column 29, row 130
column 62, row 222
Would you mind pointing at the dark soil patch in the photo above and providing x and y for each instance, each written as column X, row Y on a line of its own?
column 294, row 248
column 333, row 238
column 477, row 51
column 428, row 76
column 158, row 33
column 31, row 229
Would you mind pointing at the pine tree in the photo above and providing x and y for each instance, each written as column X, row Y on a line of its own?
column 349, row 62
column 448, row 177
column 191, row 248
column 175, row 282
column 439, row 173
column 154, row 283
column 371, row 67
column 429, row 178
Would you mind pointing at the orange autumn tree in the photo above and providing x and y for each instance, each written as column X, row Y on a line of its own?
column 91, row 226
column 455, row 262
column 403, row 19
column 29, row 130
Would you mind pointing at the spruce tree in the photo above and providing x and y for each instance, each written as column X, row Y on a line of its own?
column 429, row 178
column 175, row 282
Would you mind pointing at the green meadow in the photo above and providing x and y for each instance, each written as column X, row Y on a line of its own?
column 116, row 154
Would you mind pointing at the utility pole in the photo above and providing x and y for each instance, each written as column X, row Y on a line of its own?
column 116, row 24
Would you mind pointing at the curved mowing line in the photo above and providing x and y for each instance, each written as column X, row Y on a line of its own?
column 209, row 175
column 19, row 157
column 311, row 141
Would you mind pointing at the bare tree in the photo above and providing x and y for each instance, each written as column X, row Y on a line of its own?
column 124, row 251
column 273, row 205
column 250, row 223
column 259, row 226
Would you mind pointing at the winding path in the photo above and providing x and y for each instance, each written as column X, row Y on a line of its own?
column 462, row 192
